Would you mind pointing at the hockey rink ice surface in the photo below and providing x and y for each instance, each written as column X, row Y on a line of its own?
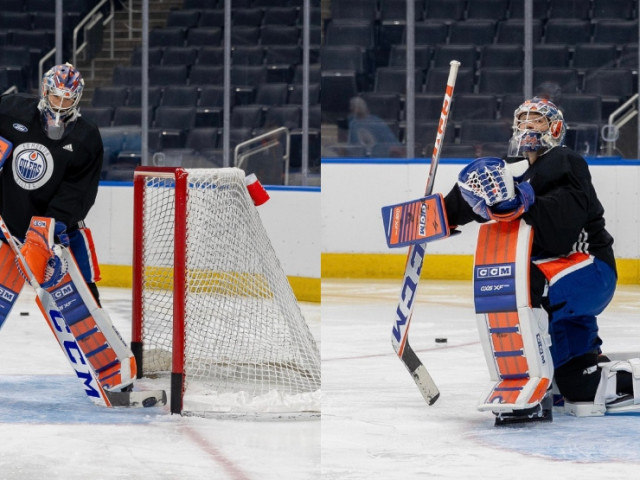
column 50, row 430
column 375, row 424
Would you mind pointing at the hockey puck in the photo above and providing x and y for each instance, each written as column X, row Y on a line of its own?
column 441, row 340
column 24, row 314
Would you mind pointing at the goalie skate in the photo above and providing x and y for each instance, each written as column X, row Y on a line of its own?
column 542, row 412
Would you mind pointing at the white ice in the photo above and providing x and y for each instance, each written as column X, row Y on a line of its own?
column 375, row 424
column 49, row 429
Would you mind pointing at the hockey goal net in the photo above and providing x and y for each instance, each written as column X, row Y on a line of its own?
column 211, row 303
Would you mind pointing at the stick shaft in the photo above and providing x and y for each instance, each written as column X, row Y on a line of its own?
column 413, row 268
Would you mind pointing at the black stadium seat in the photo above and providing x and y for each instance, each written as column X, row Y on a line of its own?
column 472, row 32
column 135, row 96
column 502, row 55
column 551, row 55
column 270, row 94
column 100, row 116
column 283, row 116
column 594, row 55
column 484, row 131
column 349, row 32
column 499, row 81
column 474, row 106
column 204, row 37
column 393, row 79
column 246, row 116
column 124, row 75
column 202, row 138
column 512, row 31
column 567, row 30
column 180, row 56
column 488, row 9
column 581, row 108
column 183, row 18
column 466, row 54
column 615, row 31
column 167, row 37
column 109, row 96
column 437, row 80
column 427, row 107
column 180, row 95
column 580, row 9
column 445, row 9
column 168, row 74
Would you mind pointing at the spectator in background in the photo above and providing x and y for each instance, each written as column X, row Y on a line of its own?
column 371, row 131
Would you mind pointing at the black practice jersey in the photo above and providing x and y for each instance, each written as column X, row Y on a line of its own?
column 566, row 216
column 44, row 177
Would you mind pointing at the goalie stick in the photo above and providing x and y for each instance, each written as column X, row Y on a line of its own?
column 413, row 267
column 73, row 352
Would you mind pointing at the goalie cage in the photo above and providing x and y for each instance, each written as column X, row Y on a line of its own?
column 211, row 303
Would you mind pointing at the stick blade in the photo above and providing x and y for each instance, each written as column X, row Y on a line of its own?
column 150, row 398
column 424, row 382
column 426, row 385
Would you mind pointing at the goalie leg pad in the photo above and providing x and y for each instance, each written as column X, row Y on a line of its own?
column 11, row 281
column 514, row 336
column 418, row 221
column 106, row 351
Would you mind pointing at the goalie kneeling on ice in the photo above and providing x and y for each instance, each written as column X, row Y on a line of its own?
column 416, row 221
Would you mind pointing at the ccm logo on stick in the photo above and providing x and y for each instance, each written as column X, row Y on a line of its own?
column 409, row 286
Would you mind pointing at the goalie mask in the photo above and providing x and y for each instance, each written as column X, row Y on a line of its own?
column 60, row 94
column 538, row 125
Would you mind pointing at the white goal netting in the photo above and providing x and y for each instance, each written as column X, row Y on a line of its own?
column 247, row 346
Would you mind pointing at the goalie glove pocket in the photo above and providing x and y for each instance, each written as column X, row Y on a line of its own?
column 512, row 209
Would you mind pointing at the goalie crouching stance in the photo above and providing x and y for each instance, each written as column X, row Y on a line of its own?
column 544, row 270
column 48, row 182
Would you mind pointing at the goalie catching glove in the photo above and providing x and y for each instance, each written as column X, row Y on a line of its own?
column 42, row 254
column 487, row 186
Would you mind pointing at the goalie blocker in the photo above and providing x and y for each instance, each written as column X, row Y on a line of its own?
column 417, row 221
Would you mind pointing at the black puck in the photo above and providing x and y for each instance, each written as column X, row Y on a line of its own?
column 24, row 314
column 441, row 340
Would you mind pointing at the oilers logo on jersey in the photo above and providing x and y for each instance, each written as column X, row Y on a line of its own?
column 32, row 165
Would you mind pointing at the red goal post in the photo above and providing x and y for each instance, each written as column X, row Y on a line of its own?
column 211, row 304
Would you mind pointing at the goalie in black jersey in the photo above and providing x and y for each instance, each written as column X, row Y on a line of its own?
column 573, row 270
column 49, row 182
column 56, row 165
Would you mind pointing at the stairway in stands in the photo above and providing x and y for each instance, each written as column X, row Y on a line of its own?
column 100, row 71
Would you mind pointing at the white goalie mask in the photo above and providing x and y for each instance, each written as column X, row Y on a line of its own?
column 537, row 125
column 60, row 93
